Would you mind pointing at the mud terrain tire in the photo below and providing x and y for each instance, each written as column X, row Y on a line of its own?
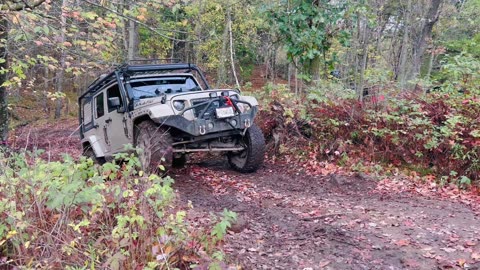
column 179, row 162
column 89, row 153
column 156, row 143
column 250, row 159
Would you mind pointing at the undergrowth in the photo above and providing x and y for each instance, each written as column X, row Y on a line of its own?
column 77, row 215
column 434, row 134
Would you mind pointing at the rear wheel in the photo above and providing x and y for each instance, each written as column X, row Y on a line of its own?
column 250, row 159
column 156, row 146
column 89, row 153
column 179, row 161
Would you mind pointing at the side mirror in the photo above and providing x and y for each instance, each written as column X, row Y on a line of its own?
column 114, row 102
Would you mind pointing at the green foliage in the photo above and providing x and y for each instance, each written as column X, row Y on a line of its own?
column 459, row 32
column 72, row 214
column 460, row 73
column 218, row 232
column 330, row 91
column 307, row 29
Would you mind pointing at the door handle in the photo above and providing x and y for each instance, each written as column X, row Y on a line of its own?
column 108, row 120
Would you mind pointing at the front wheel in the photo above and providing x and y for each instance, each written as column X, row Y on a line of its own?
column 155, row 143
column 250, row 159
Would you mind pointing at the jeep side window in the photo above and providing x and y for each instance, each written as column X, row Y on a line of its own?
column 87, row 112
column 99, row 106
column 114, row 91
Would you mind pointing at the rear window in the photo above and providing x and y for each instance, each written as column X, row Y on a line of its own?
column 87, row 113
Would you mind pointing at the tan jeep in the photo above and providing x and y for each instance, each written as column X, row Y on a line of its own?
column 168, row 110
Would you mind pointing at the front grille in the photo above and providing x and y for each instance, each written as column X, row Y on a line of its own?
column 211, row 110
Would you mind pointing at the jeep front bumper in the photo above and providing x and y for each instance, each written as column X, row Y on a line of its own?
column 201, row 127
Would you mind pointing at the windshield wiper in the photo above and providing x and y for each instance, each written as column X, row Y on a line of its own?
column 142, row 97
column 140, row 90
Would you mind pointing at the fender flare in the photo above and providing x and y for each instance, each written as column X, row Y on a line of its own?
column 93, row 142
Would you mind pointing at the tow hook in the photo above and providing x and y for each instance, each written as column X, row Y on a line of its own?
column 202, row 130
column 247, row 123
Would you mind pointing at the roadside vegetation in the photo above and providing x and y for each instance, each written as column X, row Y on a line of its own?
column 72, row 214
column 434, row 134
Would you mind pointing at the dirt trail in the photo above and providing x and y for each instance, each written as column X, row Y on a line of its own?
column 293, row 220
column 299, row 221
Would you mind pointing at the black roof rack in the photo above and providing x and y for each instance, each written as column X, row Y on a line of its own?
column 131, row 70
column 155, row 61
column 127, row 70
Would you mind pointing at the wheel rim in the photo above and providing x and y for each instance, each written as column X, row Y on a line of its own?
column 240, row 158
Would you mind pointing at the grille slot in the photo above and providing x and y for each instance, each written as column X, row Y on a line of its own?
column 210, row 112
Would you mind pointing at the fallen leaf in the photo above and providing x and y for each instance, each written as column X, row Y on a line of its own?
column 448, row 250
column 476, row 256
column 430, row 255
column 324, row 263
column 403, row 242
column 408, row 223
column 470, row 243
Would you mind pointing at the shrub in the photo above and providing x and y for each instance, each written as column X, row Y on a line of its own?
column 74, row 215
column 437, row 133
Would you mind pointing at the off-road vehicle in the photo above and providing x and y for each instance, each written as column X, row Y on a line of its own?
column 169, row 111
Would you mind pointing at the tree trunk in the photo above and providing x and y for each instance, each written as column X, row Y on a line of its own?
column 132, row 30
column 198, row 33
column 222, row 72
column 132, row 40
column 3, row 79
column 123, row 30
column 44, row 95
column 60, row 74
column 403, row 69
column 4, row 64
column 425, row 35
column 232, row 51
column 430, row 64
column 354, row 64
column 364, row 59
column 315, row 69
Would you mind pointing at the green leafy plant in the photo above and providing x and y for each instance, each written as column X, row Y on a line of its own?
column 77, row 215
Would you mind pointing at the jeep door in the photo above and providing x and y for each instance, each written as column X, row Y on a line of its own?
column 118, row 130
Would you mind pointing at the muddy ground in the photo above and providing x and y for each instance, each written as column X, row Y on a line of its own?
column 290, row 219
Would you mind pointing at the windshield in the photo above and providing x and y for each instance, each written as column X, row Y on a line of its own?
column 153, row 87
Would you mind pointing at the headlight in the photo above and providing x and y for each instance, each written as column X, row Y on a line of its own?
column 179, row 105
column 243, row 107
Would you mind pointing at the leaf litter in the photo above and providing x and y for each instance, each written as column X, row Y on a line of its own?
column 316, row 215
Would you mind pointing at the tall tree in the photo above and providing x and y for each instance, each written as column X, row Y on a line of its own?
column 7, row 7
column 424, row 36
column 308, row 29
column 60, row 74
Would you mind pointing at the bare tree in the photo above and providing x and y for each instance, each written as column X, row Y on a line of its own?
column 60, row 74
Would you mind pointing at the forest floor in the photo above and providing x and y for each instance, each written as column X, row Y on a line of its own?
column 290, row 218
